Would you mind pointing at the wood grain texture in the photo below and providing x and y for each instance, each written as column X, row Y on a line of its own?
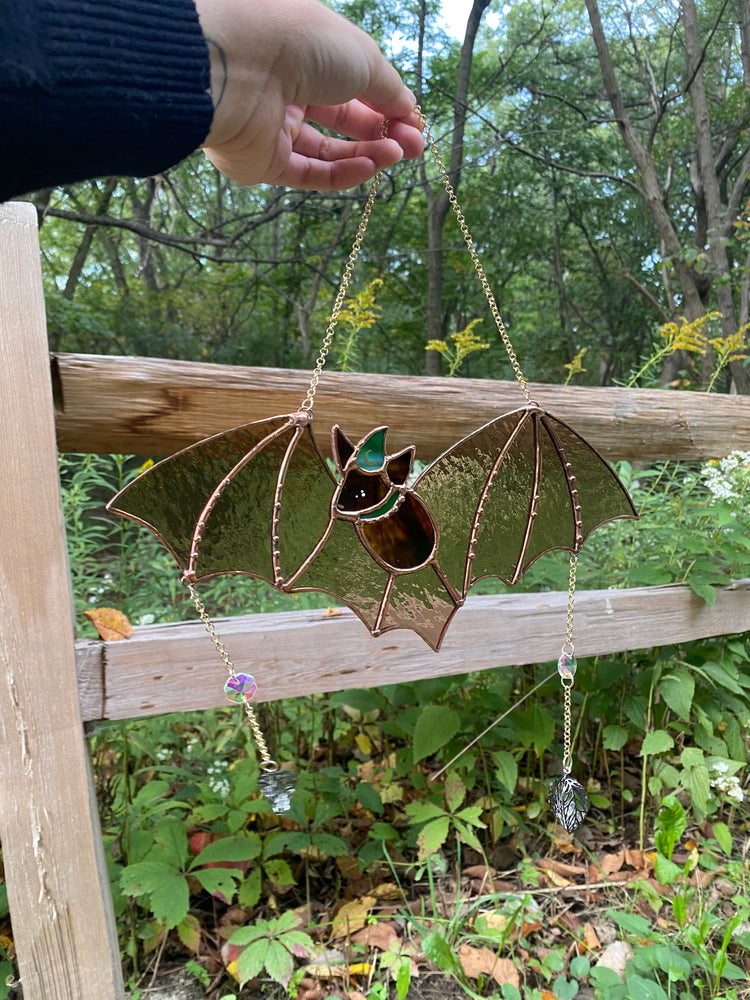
column 174, row 668
column 147, row 406
column 58, row 889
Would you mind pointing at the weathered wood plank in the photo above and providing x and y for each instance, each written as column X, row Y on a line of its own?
column 172, row 668
column 147, row 406
column 58, row 889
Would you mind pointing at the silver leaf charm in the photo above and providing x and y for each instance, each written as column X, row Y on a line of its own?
column 568, row 801
column 278, row 787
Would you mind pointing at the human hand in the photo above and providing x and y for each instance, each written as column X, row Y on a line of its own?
column 279, row 65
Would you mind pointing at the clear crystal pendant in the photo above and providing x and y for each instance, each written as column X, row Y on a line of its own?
column 278, row 787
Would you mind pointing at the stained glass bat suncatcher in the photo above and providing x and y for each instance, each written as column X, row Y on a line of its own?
column 261, row 500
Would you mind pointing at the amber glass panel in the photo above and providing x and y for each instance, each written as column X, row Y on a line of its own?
column 420, row 602
column 346, row 570
column 170, row 497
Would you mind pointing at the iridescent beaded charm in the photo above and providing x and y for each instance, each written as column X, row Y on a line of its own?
column 240, row 687
column 567, row 666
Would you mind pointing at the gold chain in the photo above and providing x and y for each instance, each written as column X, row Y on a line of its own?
column 357, row 246
column 512, row 357
column 568, row 654
column 341, row 294
column 571, row 602
column 266, row 761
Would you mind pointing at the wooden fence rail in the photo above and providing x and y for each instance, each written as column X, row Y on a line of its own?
column 174, row 668
column 63, row 925
column 145, row 406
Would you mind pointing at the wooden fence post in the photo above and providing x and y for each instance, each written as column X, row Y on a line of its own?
column 61, row 908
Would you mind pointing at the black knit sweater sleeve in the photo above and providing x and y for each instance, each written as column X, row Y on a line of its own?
column 98, row 87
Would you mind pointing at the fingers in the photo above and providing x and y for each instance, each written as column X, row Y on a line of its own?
column 359, row 121
column 308, row 174
column 312, row 144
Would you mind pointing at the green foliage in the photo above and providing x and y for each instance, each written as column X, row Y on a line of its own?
column 271, row 946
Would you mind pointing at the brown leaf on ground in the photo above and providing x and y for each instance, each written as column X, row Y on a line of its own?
column 611, row 863
column 380, row 935
column 110, row 623
column 482, row 961
column 310, row 989
column 530, row 924
column 570, row 921
column 561, row 867
column 640, row 860
column 386, row 890
column 591, row 940
column 615, row 957
column 479, row 871
column 352, row 916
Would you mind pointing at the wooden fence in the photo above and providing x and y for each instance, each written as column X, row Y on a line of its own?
column 49, row 683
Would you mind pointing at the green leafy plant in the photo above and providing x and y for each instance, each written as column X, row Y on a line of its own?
column 271, row 946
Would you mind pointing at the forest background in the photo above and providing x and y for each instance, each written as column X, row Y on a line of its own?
column 601, row 154
column 601, row 161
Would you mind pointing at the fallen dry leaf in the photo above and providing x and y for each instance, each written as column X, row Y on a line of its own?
column 530, row 923
column 380, row 935
column 591, row 940
column 556, row 879
column 386, row 890
column 497, row 921
column 546, row 995
column 332, row 612
column 639, row 860
column 482, row 961
column 352, row 916
column 611, row 863
column 560, row 867
column 110, row 623
column 310, row 989
column 615, row 957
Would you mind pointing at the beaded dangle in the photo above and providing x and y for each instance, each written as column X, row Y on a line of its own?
column 567, row 797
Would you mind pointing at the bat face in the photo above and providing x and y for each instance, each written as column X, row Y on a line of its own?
column 392, row 522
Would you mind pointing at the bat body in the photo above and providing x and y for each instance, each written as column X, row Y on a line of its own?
column 261, row 500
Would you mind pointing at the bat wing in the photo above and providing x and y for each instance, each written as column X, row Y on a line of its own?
column 521, row 485
column 383, row 601
column 217, row 505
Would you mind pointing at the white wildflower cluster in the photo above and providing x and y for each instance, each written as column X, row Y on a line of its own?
column 728, row 478
column 190, row 744
column 726, row 783
column 218, row 780
column 163, row 754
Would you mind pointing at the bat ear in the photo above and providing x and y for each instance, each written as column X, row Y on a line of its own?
column 341, row 447
column 399, row 466
column 371, row 451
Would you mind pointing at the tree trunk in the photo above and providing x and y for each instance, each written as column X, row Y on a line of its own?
column 81, row 255
column 716, row 215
